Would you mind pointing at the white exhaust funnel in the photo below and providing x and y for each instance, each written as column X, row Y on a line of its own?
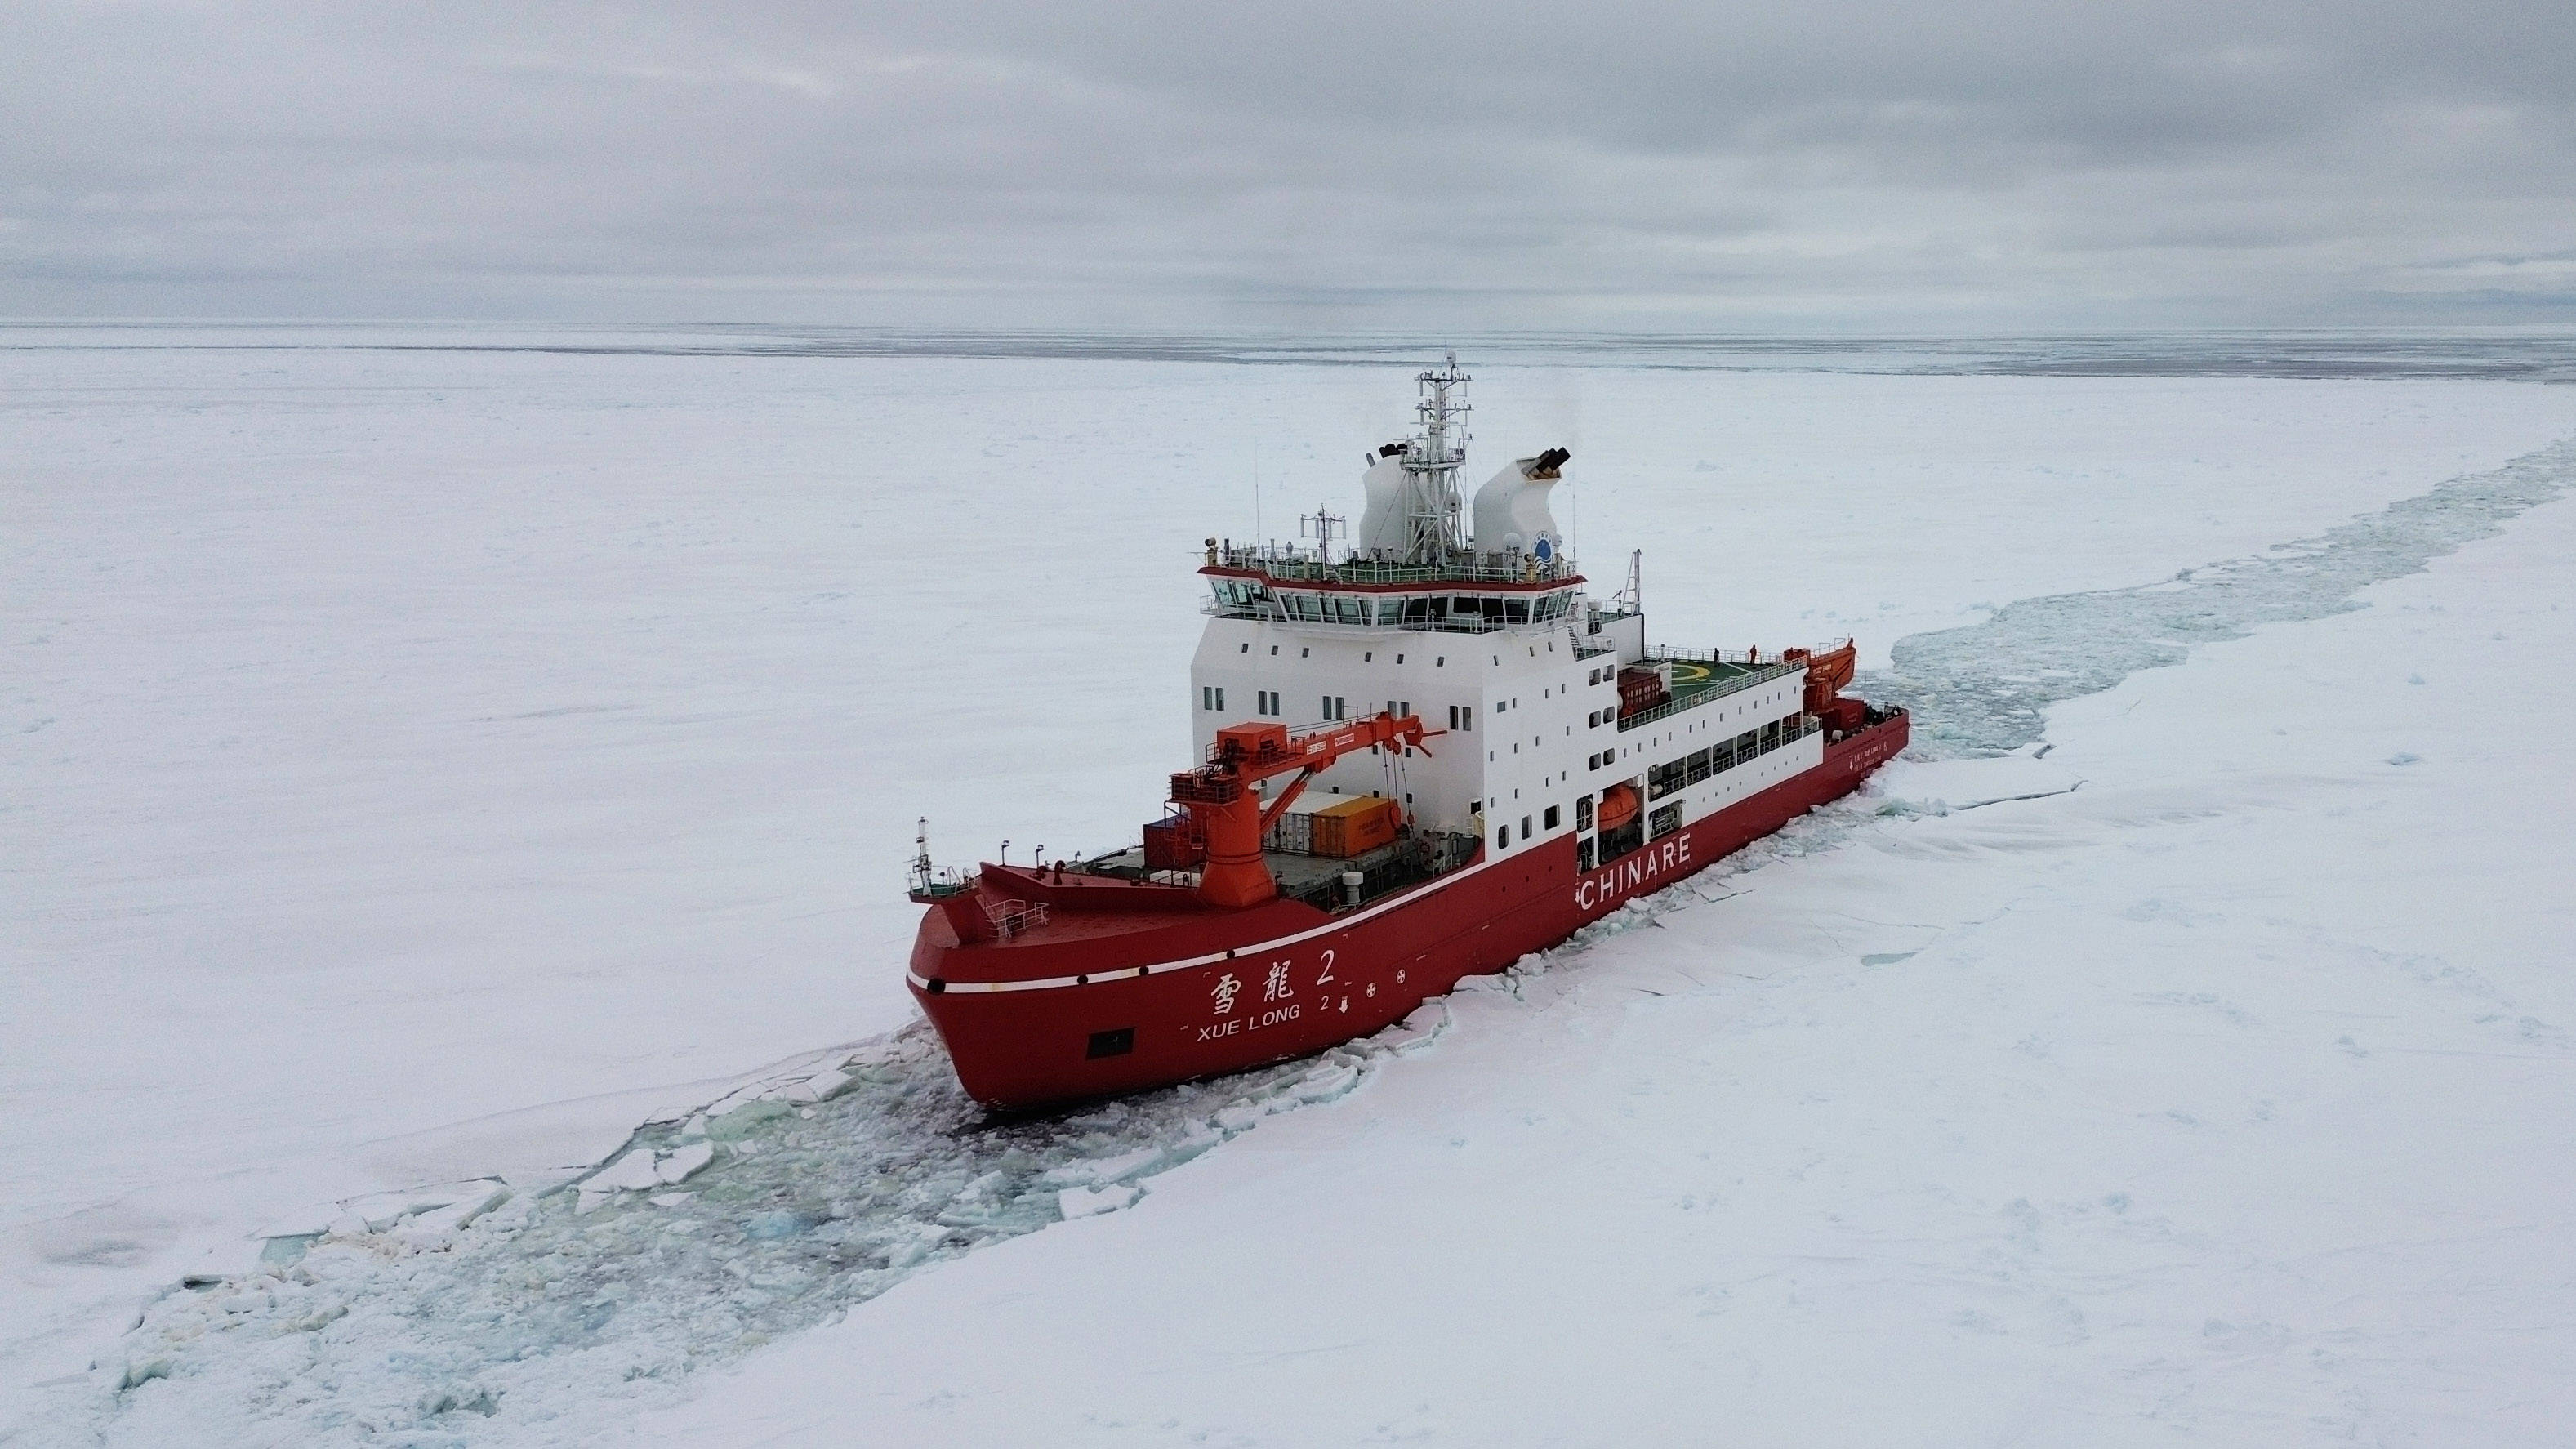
column 1511, row 509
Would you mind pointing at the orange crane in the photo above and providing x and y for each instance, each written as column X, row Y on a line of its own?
column 1228, row 817
column 1827, row 672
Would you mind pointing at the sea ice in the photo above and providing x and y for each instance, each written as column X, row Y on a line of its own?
column 535, row 757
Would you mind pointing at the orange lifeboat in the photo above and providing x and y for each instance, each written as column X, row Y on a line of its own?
column 1618, row 806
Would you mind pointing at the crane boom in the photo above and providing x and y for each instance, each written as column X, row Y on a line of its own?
column 1227, row 815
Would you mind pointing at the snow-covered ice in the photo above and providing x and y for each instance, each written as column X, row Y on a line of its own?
column 430, row 766
column 2225, row 1099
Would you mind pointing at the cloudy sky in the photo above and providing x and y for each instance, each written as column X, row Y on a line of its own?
column 1840, row 165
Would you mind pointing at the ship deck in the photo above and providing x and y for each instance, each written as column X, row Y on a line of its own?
column 1297, row 874
column 1317, row 879
column 1700, row 678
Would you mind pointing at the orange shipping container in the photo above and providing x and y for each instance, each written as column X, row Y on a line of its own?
column 1360, row 824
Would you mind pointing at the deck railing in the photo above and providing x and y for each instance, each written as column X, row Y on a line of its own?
column 1271, row 610
column 1293, row 566
column 1010, row 918
column 1723, row 689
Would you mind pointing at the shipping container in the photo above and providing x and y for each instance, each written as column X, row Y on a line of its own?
column 1354, row 826
column 1293, row 833
column 1641, row 689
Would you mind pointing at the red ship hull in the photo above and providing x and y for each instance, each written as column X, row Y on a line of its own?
column 1134, row 986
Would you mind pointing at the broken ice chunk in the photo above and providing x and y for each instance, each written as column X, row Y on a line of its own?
column 676, row 1166
column 1325, row 1083
column 775, row 1224
column 378, row 1211
column 1083, row 1202
column 437, row 1226
column 1415, row 1031
column 633, row 1171
column 743, row 1120
column 821, row 1087
column 1107, row 1169
column 286, row 1249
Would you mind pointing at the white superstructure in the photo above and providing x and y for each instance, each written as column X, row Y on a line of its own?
column 1494, row 641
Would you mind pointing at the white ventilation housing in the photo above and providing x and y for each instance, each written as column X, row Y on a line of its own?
column 1511, row 509
column 1384, row 526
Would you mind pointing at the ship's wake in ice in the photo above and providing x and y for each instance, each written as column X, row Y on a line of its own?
column 1983, row 689
column 425, row 1318
column 488, row 1310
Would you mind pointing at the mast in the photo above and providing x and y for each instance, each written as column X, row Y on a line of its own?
column 1431, row 498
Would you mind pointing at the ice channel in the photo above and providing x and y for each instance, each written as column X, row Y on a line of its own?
column 484, row 1312
column 481, row 1312
column 1983, row 689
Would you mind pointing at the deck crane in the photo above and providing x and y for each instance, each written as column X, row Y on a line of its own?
column 1228, row 816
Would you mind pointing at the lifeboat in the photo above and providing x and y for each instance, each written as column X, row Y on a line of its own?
column 1618, row 806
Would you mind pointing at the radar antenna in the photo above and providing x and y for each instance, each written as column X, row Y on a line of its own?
column 1433, row 532
column 1323, row 528
column 923, row 878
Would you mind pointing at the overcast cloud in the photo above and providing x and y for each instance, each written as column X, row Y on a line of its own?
column 1848, row 165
